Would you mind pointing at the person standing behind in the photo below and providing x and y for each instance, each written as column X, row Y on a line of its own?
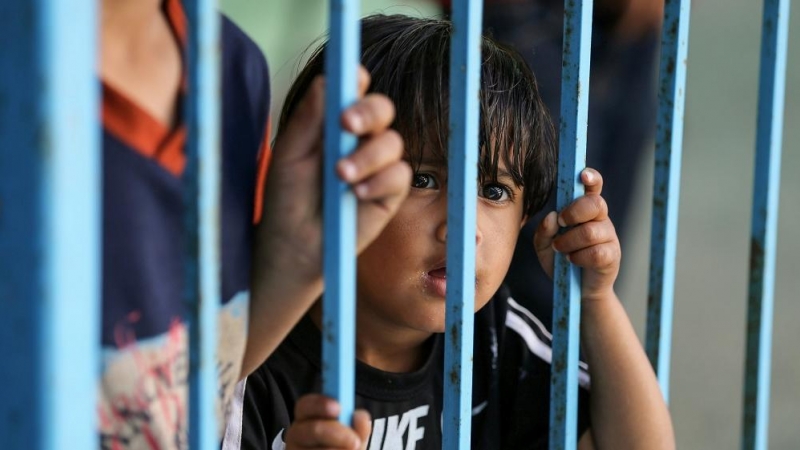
column 143, row 385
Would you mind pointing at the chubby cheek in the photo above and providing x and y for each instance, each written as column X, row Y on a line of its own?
column 390, row 258
column 396, row 241
column 494, row 253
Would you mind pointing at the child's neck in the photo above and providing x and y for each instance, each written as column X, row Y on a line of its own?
column 385, row 346
column 140, row 56
column 131, row 17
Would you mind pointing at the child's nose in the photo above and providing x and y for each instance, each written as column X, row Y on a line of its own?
column 441, row 234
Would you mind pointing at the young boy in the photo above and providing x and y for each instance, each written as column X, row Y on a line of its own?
column 143, row 386
column 401, row 283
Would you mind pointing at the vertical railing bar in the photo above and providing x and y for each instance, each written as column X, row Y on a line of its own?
column 50, row 231
column 339, row 211
column 572, row 160
column 72, row 323
column 666, row 187
column 201, row 217
column 465, row 70
column 764, row 225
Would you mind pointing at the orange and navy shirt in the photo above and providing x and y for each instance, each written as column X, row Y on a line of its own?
column 143, row 387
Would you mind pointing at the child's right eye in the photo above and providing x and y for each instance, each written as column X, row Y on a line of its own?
column 424, row 181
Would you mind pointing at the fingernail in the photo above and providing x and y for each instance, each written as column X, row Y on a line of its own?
column 356, row 120
column 361, row 190
column 331, row 408
column 348, row 170
column 589, row 175
column 561, row 222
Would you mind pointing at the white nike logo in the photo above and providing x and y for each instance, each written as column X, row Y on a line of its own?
column 277, row 443
column 477, row 410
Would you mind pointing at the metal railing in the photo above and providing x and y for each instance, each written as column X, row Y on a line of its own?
column 50, row 217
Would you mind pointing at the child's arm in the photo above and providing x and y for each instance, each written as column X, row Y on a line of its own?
column 627, row 408
column 315, row 426
column 287, row 261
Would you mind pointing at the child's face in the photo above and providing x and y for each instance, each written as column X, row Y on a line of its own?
column 401, row 275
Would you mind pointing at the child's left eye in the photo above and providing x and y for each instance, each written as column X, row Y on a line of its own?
column 424, row 181
column 495, row 193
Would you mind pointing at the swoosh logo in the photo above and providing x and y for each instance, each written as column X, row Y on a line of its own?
column 478, row 409
column 277, row 443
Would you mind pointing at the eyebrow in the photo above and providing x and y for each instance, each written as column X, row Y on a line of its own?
column 502, row 173
column 440, row 162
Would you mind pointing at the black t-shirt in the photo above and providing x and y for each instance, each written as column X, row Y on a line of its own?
column 511, row 389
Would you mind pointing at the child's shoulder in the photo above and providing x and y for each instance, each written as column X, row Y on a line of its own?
column 245, row 71
column 504, row 313
column 523, row 338
column 520, row 337
column 233, row 38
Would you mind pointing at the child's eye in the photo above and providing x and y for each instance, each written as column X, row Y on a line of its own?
column 424, row 181
column 495, row 193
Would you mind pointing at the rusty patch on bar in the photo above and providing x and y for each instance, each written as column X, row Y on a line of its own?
column 670, row 67
column 769, row 26
column 756, row 256
column 454, row 376
column 753, row 342
column 454, row 335
column 559, row 366
column 327, row 331
column 672, row 31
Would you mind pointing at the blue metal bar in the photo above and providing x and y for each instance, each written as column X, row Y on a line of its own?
column 666, row 189
column 49, row 224
column 465, row 70
column 764, row 226
column 339, row 212
column 201, row 219
column 567, row 278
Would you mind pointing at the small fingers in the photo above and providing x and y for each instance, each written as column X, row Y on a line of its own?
column 584, row 209
column 316, row 406
column 547, row 230
column 364, row 80
column 584, row 236
column 380, row 197
column 390, row 185
column 543, row 241
column 362, row 424
column 316, row 425
column 373, row 113
column 322, row 434
column 373, row 155
column 592, row 181
column 600, row 258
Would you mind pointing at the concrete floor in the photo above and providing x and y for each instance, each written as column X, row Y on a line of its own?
column 714, row 227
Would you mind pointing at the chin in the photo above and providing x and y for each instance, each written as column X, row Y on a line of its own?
column 438, row 329
column 434, row 322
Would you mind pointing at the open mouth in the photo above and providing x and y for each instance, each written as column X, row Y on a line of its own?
column 436, row 282
column 438, row 273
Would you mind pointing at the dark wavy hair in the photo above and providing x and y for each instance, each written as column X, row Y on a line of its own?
column 408, row 59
